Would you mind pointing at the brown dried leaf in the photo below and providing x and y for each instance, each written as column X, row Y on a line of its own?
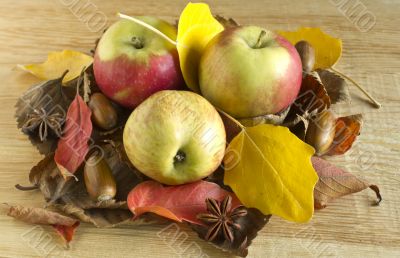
column 72, row 198
column 335, row 85
column 250, row 224
column 275, row 119
column 49, row 97
column 65, row 226
column 300, row 127
column 39, row 216
column 108, row 215
column 227, row 23
column 312, row 96
column 346, row 131
column 311, row 100
column 47, row 177
column 334, row 183
column 231, row 128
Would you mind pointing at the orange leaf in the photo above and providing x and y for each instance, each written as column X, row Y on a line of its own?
column 346, row 131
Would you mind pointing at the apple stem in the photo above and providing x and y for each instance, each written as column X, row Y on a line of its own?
column 260, row 39
column 230, row 118
column 148, row 26
column 374, row 102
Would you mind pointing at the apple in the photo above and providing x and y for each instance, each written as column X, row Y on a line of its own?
column 132, row 62
column 175, row 137
column 249, row 71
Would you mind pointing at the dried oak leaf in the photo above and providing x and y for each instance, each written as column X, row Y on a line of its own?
column 250, row 224
column 65, row 226
column 226, row 22
column 346, row 131
column 73, row 146
column 334, row 183
column 41, row 112
column 335, row 86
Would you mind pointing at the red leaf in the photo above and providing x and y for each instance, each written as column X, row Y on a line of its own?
column 334, row 183
column 179, row 203
column 73, row 145
column 66, row 232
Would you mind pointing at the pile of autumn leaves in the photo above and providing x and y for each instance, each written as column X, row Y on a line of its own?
column 274, row 170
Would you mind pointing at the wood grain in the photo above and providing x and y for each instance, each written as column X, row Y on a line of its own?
column 350, row 227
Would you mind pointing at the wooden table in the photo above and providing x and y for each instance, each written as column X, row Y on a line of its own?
column 348, row 227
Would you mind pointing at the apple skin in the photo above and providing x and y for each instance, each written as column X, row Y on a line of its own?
column 175, row 137
column 132, row 62
column 246, row 81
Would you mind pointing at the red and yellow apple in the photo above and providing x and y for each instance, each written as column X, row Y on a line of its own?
column 132, row 62
column 175, row 137
column 249, row 71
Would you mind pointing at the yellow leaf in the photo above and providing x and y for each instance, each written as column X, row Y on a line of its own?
column 57, row 63
column 196, row 28
column 327, row 49
column 270, row 169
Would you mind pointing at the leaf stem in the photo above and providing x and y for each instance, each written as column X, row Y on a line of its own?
column 60, row 86
column 377, row 192
column 231, row 118
column 148, row 26
column 26, row 188
column 374, row 101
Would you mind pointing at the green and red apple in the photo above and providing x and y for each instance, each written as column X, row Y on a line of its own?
column 132, row 62
column 175, row 137
column 249, row 71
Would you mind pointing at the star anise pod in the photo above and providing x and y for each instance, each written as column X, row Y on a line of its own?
column 221, row 218
column 44, row 121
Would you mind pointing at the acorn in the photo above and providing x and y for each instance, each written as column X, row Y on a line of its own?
column 307, row 55
column 99, row 180
column 104, row 114
column 321, row 132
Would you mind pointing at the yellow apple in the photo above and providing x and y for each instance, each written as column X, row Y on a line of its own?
column 175, row 137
